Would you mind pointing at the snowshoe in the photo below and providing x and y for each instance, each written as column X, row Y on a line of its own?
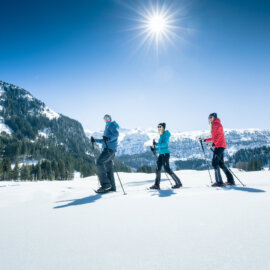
column 176, row 186
column 218, row 184
column 102, row 190
column 154, row 187
column 229, row 184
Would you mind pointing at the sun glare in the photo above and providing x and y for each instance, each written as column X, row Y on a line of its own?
column 157, row 25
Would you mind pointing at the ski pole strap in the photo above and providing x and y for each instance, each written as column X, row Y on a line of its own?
column 154, row 151
column 202, row 146
column 106, row 144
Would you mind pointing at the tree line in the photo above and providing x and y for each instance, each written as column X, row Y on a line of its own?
column 44, row 170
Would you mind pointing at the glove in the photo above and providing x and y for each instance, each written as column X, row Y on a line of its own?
column 152, row 148
column 92, row 139
column 105, row 139
column 202, row 140
column 210, row 145
column 154, row 142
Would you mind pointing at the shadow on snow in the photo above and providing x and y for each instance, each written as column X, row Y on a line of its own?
column 140, row 183
column 162, row 193
column 246, row 189
column 88, row 199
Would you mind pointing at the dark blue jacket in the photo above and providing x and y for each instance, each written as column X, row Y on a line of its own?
column 111, row 131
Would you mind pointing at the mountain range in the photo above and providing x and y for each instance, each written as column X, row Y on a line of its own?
column 134, row 144
column 32, row 133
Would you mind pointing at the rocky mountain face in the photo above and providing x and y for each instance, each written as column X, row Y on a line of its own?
column 31, row 132
column 24, row 117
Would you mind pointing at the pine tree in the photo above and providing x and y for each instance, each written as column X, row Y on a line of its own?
column 16, row 171
column 146, row 169
column 62, row 170
column 33, row 172
column 25, row 173
column 55, row 170
column 39, row 172
column 6, row 168
column 255, row 165
column 70, row 170
column 1, row 171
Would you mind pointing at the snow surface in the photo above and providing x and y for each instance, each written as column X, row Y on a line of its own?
column 44, row 133
column 26, row 162
column 49, row 113
column 2, row 90
column 65, row 225
column 29, row 97
column 5, row 128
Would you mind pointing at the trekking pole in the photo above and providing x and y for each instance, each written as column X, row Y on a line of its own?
column 228, row 168
column 93, row 146
column 206, row 161
column 155, row 154
column 119, row 180
column 95, row 159
column 116, row 172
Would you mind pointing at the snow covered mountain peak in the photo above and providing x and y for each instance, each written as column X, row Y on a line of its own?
column 184, row 145
column 40, row 107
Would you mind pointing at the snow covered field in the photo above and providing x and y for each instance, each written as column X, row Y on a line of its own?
column 64, row 225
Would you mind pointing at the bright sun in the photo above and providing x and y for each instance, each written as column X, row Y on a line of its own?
column 157, row 25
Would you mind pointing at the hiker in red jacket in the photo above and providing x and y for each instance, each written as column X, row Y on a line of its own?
column 219, row 144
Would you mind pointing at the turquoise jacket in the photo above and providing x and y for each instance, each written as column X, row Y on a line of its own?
column 163, row 143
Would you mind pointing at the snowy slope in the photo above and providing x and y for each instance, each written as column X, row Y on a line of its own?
column 184, row 145
column 25, row 117
column 64, row 225
column 3, row 126
column 22, row 93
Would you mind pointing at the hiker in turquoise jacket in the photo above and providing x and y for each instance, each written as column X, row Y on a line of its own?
column 162, row 148
column 163, row 143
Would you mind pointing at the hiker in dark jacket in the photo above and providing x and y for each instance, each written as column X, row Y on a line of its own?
column 104, row 164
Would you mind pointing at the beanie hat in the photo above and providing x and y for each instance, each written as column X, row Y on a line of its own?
column 213, row 114
column 107, row 116
column 163, row 125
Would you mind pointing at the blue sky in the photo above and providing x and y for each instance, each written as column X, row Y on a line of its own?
column 82, row 60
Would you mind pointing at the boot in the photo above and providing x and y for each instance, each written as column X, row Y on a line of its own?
column 229, row 183
column 158, row 176
column 112, row 181
column 102, row 190
column 218, row 177
column 218, row 184
column 230, row 180
column 176, row 180
column 176, row 186
column 154, row 187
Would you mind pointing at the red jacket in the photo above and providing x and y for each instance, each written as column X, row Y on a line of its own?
column 218, row 137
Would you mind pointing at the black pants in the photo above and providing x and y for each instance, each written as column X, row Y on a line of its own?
column 218, row 162
column 164, row 160
column 105, row 168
